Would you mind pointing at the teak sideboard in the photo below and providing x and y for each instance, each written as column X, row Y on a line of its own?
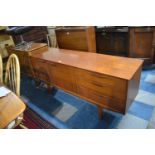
column 110, row 82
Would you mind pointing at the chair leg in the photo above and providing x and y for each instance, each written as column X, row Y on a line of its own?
column 19, row 121
column 23, row 126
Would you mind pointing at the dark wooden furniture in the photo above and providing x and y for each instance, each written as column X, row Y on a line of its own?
column 112, row 40
column 142, row 43
column 11, row 106
column 136, row 42
column 37, row 34
column 76, row 38
column 23, row 55
column 107, row 81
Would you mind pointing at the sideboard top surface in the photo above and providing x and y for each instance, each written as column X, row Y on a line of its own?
column 115, row 66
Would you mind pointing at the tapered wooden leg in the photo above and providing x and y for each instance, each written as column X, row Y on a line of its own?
column 37, row 82
column 49, row 88
column 23, row 126
column 100, row 112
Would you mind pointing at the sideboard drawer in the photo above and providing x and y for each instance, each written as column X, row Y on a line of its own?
column 97, row 86
column 87, row 75
column 109, row 86
column 102, row 100
column 92, row 95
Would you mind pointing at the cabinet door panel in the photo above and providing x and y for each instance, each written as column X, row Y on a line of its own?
column 72, row 39
column 62, row 77
column 40, row 70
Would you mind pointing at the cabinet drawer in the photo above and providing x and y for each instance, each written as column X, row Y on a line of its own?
column 97, row 86
column 109, row 86
column 84, row 75
column 92, row 95
column 40, row 69
column 102, row 100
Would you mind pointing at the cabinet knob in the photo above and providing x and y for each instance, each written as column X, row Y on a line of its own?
column 67, row 33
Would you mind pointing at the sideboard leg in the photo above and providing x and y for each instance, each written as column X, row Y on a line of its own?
column 100, row 112
column 49, row 88
column 37, row 83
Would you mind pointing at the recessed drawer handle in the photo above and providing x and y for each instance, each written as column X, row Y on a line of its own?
column 53, row 64
column 97, row 75
column 40, row 61
column 96, row 84
column 105, row 99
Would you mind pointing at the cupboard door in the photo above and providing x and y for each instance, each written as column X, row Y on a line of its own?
column 40, row 70
column 62, row 76
column 141, row 44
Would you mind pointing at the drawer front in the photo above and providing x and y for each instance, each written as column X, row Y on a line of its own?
column 84, row 75
column 102, row 100
column 103, row 84
column 40, row 69
column 97, row 86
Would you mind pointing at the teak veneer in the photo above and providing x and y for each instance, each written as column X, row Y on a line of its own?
column 110, row 82
column 24, row 53
column 77, row 38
